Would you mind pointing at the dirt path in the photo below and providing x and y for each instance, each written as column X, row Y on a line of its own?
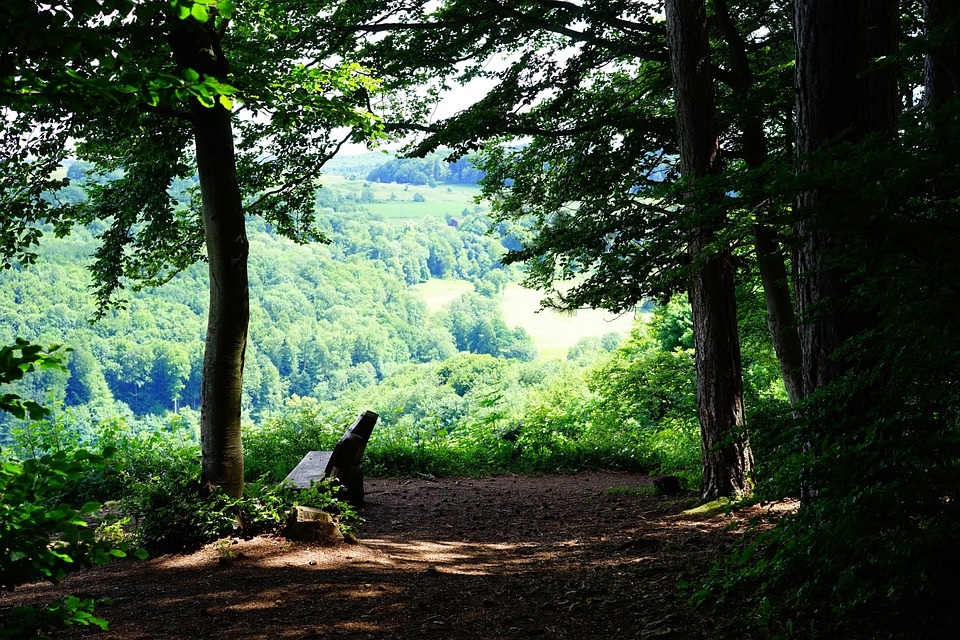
column 580, row 557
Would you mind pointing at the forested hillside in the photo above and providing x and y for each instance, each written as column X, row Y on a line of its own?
column 432, row 169
column 325, row 317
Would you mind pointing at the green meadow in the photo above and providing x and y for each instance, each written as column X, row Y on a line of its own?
column 553, row 332
column 396, row 201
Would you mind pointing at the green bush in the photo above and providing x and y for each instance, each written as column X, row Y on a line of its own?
column 171, row 513
column 43, row 537
column 273, row 449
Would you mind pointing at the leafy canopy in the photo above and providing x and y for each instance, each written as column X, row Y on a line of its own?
column 99, row 81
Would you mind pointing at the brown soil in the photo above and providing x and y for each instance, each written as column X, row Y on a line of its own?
column 575, row 556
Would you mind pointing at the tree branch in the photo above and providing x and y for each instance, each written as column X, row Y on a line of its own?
column 309, row 175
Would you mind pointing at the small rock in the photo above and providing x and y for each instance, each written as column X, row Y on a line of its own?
column 306, row 524
column 667, row 485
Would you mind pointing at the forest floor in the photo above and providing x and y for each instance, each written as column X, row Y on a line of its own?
column 585, row 556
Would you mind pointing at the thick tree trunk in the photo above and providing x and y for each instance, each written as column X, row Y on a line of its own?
column 838, row 96
column 227, row 325
column 196, row 47
column 727, row 460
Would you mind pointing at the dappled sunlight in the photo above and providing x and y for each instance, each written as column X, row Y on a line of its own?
column 321, row 558
column 354, row 626
column 250, row 605
column 467, row 558
column 510, row 557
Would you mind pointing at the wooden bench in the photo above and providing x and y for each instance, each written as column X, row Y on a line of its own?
column 342, row 464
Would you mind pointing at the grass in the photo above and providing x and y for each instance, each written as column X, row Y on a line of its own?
column 438, row 294
column 712, row 508
column 553, row 332
column 395, row 201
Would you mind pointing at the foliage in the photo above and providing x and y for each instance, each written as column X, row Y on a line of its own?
column 143, row 130
column 42, row 536
column 31, row 357
column 174, row 74
column 326, row 319
column 151, row 477
column 22, row 623
column 476, row 328
column 871, row 552
column 430, row 170
column 580, row 162
column 474, row 414
column 33, row 514
column 275, row 447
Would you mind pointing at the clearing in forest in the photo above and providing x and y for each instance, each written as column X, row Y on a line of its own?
column 592, row 555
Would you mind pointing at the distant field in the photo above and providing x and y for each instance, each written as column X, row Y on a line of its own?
column 395, row 201
column 438, row 294
column 553, row 332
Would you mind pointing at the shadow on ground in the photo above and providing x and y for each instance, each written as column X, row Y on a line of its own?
column 574, row 556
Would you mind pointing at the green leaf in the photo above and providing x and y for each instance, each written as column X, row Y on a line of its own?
column 226, row 8
column 206, row 100
column 200, row 12
column 189, row 74
column 226, row 102
column 90, row 507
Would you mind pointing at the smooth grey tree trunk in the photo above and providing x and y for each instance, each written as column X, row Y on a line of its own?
column 196, row 46
column 726, row 457
column 227, row 325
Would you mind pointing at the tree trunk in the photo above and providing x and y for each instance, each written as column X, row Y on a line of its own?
column 196, row 47
column 838, row 97
column 941, row 69
column 781, row 320
column 227, row 324
column 727, row 460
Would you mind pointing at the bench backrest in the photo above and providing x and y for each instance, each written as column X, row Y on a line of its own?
column 348, row 451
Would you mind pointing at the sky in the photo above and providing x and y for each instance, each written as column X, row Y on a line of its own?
column 453, row 101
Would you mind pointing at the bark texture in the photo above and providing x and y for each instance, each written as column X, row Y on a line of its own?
column 727, row 460
column 839, row 97
column 781, row 319
column 196, row 47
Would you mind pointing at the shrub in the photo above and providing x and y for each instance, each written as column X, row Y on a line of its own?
column 45, row 539
column 42, row 537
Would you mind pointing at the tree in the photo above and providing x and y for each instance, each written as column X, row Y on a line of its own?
column 579, row 145
column 154, row 89
column 727, row 459
column 841, row 97
column 873, row 444
column 942, row 62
